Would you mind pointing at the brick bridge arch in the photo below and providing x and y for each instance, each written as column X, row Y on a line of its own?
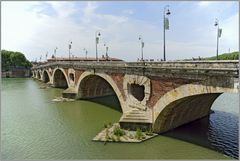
column 89, row 81
column 60, row 78
column 184, row 104
column 38, row 75
column 46, row 76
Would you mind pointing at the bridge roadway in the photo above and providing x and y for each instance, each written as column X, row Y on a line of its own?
column 153, row 95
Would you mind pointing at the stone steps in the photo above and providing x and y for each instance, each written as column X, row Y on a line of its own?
column 136, row 119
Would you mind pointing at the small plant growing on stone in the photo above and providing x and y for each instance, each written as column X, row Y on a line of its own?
column 139, row 134
column 105, row 126
column 110, row 124
column 149, row 133
column 118, row 131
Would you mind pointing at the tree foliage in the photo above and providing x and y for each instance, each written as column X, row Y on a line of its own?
column 226, row 56
column 10, row 59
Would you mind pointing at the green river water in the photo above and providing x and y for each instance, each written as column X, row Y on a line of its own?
column 34, row 127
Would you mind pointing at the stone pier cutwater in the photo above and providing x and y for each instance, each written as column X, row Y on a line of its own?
column 156, row 96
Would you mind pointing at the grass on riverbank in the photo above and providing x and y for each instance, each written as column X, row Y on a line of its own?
column 225, row 56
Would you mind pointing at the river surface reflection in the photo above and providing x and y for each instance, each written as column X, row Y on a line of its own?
column 34, row 127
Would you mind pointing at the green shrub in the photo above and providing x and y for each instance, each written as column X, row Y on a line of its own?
column 139, row 134
column 118, row 131
column 226, row 56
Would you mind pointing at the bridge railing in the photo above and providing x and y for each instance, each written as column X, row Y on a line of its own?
column 169, row 64
column 211, row 67
column 189, row 64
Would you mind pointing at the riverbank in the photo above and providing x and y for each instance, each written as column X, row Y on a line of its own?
column 20, row 72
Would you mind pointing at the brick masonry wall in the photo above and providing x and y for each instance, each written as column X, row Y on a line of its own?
column 118, row 79
column 78, row 73
column 66, row 71
column 160, row 86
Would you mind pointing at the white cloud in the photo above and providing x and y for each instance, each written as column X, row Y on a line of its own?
column 90, row 8
column 204, row 3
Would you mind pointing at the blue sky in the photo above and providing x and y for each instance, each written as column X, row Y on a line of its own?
column 35, row 28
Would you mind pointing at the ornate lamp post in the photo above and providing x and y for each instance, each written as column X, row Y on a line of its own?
column 166, row 12
column 55, row 53
column 142, row 46
column 46, row 56
column 86, row 52
column 219, row 33
column 97, row 35
column 69, row 47
column 106, row 51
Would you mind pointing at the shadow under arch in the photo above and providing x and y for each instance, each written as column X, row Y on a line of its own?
column 184, row 104
column 45, row 76
column 185, row 110
column 60, row 79
column 38, row 75
column 101, row 89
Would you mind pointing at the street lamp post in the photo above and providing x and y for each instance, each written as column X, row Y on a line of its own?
column 69, row 47
column 106, row 51
column 86, row 52
column 97, row 35
column 219, row 32
column 46, row 56
column 165, row 27
column 40, row 58
column 142, row 45
column 55, row 53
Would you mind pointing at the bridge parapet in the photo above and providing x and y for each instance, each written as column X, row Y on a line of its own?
column 178, row 64
column 227, row 68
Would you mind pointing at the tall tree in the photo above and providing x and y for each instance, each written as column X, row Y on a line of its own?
column 13, row 59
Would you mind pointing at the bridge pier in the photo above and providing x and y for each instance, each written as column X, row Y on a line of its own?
column 70, row 93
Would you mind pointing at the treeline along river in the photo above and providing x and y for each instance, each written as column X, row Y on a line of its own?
column 34, row 127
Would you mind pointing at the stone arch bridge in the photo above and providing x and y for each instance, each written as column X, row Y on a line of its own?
column 153, row 95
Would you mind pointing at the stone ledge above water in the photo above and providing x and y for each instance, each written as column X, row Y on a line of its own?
column 107, row 135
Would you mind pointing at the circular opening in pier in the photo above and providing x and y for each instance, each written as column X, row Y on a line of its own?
column 137, row 91
column 71, row 76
